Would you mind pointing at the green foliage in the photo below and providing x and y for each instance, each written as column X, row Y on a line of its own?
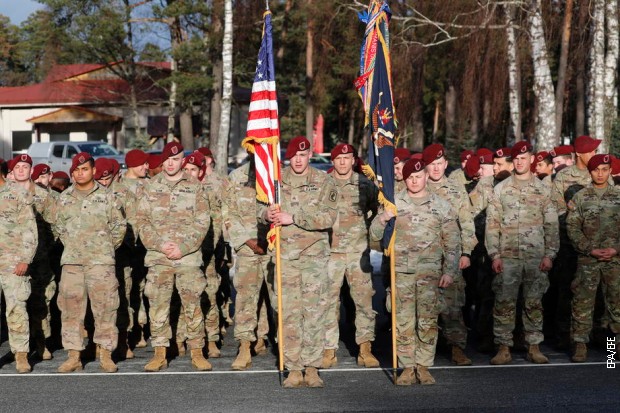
column 614, row 138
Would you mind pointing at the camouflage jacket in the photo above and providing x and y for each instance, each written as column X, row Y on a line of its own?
column 357, row 204
column 522, row 222
column 178, row 212
column 239, row 212
column 562, row 183
column 456, row 195
column 215, row 187
column 18, row 226
column 593, row 222
column 427, row 235
column 44, row 209
column 90, row 227
column 312, row 200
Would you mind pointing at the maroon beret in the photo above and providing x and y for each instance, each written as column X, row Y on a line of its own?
column 198, row 159
column 24, row 157
column 342, row 149
column 540, row 156
column 502, row 152
column 466, row 154
column 585, row 144
column 485, row 156
column 597, row 160
column 205, row 151
column 116, row 166
column 615, row 165
column 10, row 164
column 433, row 152
column 472, row 166
column 417, row 155
column 171, row 149
column 562, row 150
column 154, row 160
column 38, row 170
column 105, row 168
column 136, row 157
column 413, row 166
column 519, row 148
column 60, row 175
column 401, row 155
column 298, row 143
column 79, row 159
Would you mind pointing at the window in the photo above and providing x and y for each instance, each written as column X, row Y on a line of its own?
column 59, row 136
column 21, row 141
column 97, row 136
column 57, row 151
column 71, row 151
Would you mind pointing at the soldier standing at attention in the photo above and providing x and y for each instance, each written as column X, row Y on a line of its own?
column 309, row 206
column 18, row 237
column 401, row 155
column 172, row 220
column 592, row 225
column 357, row 204
column 522, row 241
column 90, row 224
column 453, row 297
column 428, row 235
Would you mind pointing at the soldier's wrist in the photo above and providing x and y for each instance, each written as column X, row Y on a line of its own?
column 464, row 254
column 494, row 257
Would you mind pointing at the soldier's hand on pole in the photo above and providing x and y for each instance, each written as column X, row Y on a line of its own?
column 497, row 265
column 283, row 219
column 21, row 269
column 546, row 264
column 385, row 217
column 272, row 212
column 445, row 281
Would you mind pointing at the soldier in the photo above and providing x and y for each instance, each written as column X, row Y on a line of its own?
column 60, row 181
column 19, row 240
column 3, row 171
column 248, row 239
column 453, row 297
column 172, row 220
column 427, row 232
column 357, row 205
column 90, row 224
column 522, row 241
column 309, row 206
column 486, row 158
column 401, row 155
column 42, row 279
column 155, row 165
column 458, row 175
column 41, row 174
column 615, row 170
column 562, row 157
column 544, row 167
column 592, row 222
column 105, row 172
column 130, row 255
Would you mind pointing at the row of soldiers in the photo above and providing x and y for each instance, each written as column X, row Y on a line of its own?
column 174, row 219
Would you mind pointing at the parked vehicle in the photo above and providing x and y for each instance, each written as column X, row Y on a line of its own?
column 58, row 154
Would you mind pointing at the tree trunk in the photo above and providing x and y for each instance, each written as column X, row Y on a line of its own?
column 172, row 103
column 216, row 99
column 561, row 85
column 580, row 104
column 227, row 61
column 596, row 88
column 514, row 81
column 436, row 120
column 543, row 84
column 309, row 75
column 351, row 129
column 133, row 98
column 187, row 130
column 611, row 70
column 284, row 34
column 450, row 111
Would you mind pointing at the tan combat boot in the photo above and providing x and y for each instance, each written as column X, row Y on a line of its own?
column 535, row 356
column 181, row 348
column 158, row 361
column 294, row 380
column 260, row 348
column 407, row 377
column 312, row 378
column 105, row 361
column 423, row 375
column 199, row 361
column 213, row 351
column 21, row 362
column 459, row 358
column 244, row 358
column 329, row 358
column 365, row 358
column 581, row 353
column 142, row 342
column 72, row 364
column 503, row 356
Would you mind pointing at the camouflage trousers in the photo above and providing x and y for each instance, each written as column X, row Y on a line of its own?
column 341, row 266
column 452, row 301
column 80, row 284
column 517, row 273
column 250, row 302
column 190, row 282
column 417, row 309
column 16, row 291
column 43, row 290
column 124, row 320
column 212, row 311
column 303, row 285
column 584, row 288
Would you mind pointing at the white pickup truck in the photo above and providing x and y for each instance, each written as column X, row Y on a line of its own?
column 58, row 154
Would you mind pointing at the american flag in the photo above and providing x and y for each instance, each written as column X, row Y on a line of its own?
column 263, row 132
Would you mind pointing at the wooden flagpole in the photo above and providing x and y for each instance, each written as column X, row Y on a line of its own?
column 393, row 303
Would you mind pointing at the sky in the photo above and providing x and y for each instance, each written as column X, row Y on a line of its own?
column 18, row 11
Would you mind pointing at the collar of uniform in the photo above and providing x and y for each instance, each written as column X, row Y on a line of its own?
column 575, row 171
column 443, row 182
column 71, row 190
column 352, row 180
column 160, row 178
column 287, row 175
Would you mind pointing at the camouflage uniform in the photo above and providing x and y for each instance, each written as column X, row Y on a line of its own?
column 42, row 281
column 18, row 240
column 177, row 212
column 250, row 269
column 592, row 223
column 312, row 200
column 357, row 201
column 521, row 229
column 428, row 240
column 458, row 177
column 453, row 297
column 91, row 226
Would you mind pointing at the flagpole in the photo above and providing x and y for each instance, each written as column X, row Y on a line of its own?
column 276, row 157
column 393, row 303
